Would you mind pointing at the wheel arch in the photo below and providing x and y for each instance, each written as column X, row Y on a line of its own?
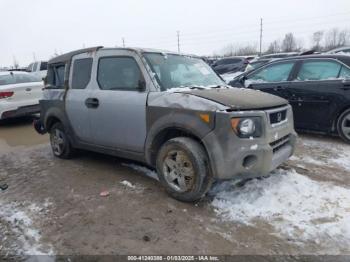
column 165, row 134
column 337, row 117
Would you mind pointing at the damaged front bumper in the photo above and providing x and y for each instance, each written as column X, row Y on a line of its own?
column 234, row 157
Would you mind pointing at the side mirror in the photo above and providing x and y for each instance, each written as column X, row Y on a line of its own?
column 141, row 85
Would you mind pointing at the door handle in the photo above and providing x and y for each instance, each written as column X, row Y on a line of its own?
column 278, row 88
column 28, row 89
column 92, row 102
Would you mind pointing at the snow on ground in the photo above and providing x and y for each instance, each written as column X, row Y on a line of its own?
column 340, row 153
column 296, row 206
column 22, row 226
column 127, row 184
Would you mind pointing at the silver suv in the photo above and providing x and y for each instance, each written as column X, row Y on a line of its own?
column 167, row 110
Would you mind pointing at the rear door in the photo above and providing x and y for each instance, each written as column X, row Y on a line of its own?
column 273, row 79
column 79, row 91
column 317, row 93
column 118, row 107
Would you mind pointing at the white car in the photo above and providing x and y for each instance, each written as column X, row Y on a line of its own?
column 20, row 93
column 38, row 68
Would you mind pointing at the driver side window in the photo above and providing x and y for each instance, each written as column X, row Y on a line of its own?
column 272, row 73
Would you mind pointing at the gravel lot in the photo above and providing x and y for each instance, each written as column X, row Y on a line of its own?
column 54, row 206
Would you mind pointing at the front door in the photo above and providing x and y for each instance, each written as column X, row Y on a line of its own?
column 118, row 105
column 272, row 79
column 317, row 94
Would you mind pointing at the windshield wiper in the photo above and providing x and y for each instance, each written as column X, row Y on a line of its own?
column 197, row 87
column 218, row 86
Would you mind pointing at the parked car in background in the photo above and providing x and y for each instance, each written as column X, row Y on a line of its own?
column 38, row 68
column 317, row 87
column 276, row 55
column 19, row 94
column 340, row 50
column 167, row 110
column 230, row 65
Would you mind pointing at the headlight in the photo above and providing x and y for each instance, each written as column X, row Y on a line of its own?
column 247, row 127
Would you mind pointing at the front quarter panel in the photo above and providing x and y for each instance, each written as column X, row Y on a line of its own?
column 179, row 111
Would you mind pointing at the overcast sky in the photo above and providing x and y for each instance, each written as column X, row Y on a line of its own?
column 39, row 28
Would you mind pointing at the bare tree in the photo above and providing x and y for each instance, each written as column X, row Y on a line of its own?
column 335, row 38
column 15, row 63
column 274, row 47
column 316, row 39
column 289, row 43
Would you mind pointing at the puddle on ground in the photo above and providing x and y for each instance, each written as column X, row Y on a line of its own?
column 18, row 133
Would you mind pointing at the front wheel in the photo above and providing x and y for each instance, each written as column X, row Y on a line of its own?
column 60, row 143
column 343, row 126
column 183, row 169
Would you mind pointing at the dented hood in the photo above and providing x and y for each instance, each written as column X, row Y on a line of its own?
column 240, row 98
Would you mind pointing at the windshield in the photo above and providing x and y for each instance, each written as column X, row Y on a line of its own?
column 177, row 71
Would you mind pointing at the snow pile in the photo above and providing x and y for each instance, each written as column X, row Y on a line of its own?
column 23, row 229
column 127, row 184
column 340, row 153
column 296, row 206
column 142, row 169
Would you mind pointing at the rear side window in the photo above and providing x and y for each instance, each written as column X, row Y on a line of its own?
column 118, row 73
column 344, row 72
column 318, row 70
column 55, row 76
column 81, row 73
column 272, row 73
column 7, row 79
column 43, row 66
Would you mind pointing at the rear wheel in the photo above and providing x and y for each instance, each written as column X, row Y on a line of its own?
column 343, row 126
column 183, row 169
column 60, row 144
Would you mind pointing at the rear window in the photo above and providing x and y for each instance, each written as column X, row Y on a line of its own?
column 26, row 78
column 18, row 79
column 7, row 80
column 81, row 73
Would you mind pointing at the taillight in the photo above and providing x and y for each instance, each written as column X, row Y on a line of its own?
column 6, row 94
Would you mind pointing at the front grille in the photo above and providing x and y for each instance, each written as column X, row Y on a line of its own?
column 277, row 117
column 279, row 144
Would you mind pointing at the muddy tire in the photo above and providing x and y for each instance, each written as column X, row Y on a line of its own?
column 183, row 169
column 343, row 126
column 60, row 144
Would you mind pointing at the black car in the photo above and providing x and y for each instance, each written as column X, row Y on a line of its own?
column 230, row 65
column 317, row 87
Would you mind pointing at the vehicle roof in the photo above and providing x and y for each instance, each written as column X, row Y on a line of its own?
column 343, row 58
column 68, row 56
column 338, row 49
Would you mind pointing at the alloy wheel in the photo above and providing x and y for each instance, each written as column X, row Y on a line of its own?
column 178, row 171
column 57, row 142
